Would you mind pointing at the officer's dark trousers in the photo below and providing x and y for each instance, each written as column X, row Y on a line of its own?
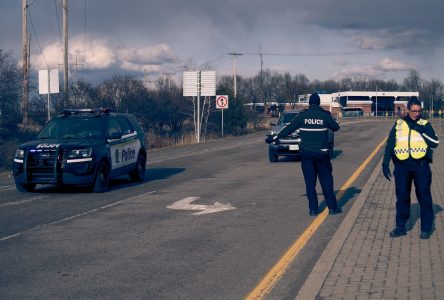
column 419, row 173
column 317, row 165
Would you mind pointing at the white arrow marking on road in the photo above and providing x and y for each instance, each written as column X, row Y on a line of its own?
column 185, row 204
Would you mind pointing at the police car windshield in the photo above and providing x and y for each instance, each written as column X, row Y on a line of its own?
column 73, row 128
column 286, row 118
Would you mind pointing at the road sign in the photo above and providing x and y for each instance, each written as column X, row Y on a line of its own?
column 199, row 81
column 222, row 101
column 49, row 81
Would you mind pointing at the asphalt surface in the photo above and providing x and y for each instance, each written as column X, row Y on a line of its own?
column 127, row 243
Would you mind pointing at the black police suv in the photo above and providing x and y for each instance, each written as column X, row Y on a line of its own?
column 82, row 147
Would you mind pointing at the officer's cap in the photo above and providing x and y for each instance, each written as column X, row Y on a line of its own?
column 314, row 99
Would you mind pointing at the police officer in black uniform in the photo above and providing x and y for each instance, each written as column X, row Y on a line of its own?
column 409, row 147
column 314, row 124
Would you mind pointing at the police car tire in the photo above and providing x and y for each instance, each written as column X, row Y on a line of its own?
column 102, row 178
column 139, row 173
column 30, row 187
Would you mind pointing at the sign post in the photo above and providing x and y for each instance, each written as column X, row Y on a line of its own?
column 222, row 103
column 196, row 84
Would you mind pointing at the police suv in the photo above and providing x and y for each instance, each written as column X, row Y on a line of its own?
column 82, row 147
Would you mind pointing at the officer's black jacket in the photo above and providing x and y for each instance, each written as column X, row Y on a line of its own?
column 429, row 136
column 313, row 124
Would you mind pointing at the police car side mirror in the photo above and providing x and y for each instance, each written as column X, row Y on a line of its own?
column 115, row 135
column 272, row 123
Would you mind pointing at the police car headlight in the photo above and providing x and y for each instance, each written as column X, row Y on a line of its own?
column 80, row 153
column 19, row 153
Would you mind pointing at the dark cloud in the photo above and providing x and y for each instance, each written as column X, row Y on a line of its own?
column 161, row 35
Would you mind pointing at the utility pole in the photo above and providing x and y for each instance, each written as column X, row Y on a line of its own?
column 234, row 55
column 259, row 52
column 65, row 51
column 25, row 59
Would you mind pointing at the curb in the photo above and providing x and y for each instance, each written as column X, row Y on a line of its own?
column 314, row 282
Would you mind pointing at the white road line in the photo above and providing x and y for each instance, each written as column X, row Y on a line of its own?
column 10, row 236
column 75, row 216
column 7, row 187
column 16, row 203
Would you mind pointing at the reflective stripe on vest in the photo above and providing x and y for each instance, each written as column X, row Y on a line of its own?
column 409, row 142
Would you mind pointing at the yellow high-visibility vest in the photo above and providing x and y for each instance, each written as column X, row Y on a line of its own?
column 409, row 143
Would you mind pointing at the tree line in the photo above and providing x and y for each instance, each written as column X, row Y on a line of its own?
column 163, row 111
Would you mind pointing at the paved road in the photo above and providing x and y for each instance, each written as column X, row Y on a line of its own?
column 126, row 243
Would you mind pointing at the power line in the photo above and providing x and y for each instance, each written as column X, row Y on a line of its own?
column 36, row 37
column 302, row 54
column 216, row 61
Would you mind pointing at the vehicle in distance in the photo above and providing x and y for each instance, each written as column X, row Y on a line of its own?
column 82, row 147
column 290, row 145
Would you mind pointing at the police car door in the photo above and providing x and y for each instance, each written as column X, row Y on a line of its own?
column 123, row 151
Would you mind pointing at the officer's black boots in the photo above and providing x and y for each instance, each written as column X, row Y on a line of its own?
column 335, row 211
column 397, row 232
column 425, row 235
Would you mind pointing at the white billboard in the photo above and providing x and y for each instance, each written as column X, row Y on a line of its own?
column 53, row 82
column 191, row 83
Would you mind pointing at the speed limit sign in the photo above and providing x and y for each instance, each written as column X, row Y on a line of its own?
column 222, row 101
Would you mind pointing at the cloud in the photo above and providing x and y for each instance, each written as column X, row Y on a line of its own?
column 149, row 59
column 93, row 54
column 377, row 70
column 388, row 64
column 98, row 54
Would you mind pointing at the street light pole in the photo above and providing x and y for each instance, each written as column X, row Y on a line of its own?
column 376, row 101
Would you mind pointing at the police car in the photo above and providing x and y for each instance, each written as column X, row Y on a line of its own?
column 82, row 147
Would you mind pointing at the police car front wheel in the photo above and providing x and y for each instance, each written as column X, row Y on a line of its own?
column 102, row 178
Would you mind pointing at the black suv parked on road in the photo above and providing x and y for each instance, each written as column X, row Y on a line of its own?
column 288, row 146
column 82, row 147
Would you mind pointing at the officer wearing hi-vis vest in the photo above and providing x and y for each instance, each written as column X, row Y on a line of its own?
column 409, row 147
column 313, row 125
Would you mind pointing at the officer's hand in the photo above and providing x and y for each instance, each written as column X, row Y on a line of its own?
column 269, row 139
column 386, row 172
column 419, row 128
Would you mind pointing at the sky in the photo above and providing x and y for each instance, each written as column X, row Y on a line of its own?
column 322, row 39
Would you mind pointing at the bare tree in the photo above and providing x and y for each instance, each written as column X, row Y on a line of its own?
column 10, row 81
column 432, row 94
column 413, row 82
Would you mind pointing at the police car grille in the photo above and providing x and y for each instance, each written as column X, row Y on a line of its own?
column 40, row 165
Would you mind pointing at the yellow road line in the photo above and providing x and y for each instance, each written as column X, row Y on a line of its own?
column 279, row 269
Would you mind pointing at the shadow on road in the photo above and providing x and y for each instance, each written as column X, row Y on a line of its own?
column 121, row 182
